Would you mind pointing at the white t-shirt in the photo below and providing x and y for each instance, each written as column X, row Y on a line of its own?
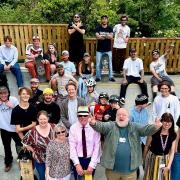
column 72, row 111
column 159, row 66
column 166, row 104
column 133, row 67
column 120, row 34
column 5, row 115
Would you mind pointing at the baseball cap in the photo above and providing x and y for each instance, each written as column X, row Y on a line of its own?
column 106, row 16
column 83, row 110
column 36, row 37
column 86, row 54
column 35, row 80
column 48, row 91
column 132, row 50
column 65, row 52
column 59, row 66
column 141, row 99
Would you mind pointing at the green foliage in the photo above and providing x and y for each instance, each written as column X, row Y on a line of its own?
column 146, row 17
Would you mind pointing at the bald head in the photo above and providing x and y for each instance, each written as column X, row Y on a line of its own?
column 122, row 117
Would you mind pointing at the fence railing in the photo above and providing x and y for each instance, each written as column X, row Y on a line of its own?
column 57, row 33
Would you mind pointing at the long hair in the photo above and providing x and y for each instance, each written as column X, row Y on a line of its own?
column 83, row 67
column 55, row 50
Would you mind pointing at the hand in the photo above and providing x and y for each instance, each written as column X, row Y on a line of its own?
column 126, row 40
column 141, row 81
column 79, row 170
column 160, row 79
column 125, row 81
column 43, row 61
column 158, row 123
column 165, row 170
column 89, row 170
column 106, row 117
column 9, row 104
column 7, row 67
column 92, row 120
column 47, row 176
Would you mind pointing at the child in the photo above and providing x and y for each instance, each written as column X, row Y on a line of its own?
column 101, row 106
column 110, row 114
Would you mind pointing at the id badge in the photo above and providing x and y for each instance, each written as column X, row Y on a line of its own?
column 162, row 166
column 122, row 140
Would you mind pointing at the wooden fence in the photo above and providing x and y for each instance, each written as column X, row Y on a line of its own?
column 57, row 33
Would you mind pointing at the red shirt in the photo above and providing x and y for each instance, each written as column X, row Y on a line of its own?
column 99, row 111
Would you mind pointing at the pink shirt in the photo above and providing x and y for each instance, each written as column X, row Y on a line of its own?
column 92, row 143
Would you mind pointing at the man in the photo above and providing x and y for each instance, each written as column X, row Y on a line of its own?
column 121, row 37
column 59, row 81
column 36, row 95
column 69, row 66
column 8, row 131
column 76, row 30
column 104, row 36
column 34, row 51
column 9, row 60
column 49, row 106
column 84, row 145
column 70, row 105
column 122, row 153
column 133, row 72
column 158, row 70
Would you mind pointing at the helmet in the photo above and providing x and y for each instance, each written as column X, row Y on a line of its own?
column 90, row 82
column 48, row 91
column 113, row 98
column 103, row 95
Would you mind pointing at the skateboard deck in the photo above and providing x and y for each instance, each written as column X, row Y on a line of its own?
column 40, row 69
column 87, row 176
column 105, row 65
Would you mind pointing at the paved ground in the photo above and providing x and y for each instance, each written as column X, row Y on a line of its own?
column 104, row 86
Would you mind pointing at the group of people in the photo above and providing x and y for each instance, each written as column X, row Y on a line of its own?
column 70, row 127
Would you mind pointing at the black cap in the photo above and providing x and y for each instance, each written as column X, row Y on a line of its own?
column 59, row 66
column 132, row 50
column 141, row 99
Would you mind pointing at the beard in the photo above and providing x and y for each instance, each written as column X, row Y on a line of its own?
column 122, row 123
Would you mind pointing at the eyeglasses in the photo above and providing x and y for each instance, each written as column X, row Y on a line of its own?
column 76, row 16
column 82, row 115
column 164, row 88
column 60, row 132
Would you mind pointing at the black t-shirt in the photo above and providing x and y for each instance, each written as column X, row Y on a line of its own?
column 104, row 45
column 76, row 38
column 36, row 97
column 112, row 113
column 23, row 117
column 178, row 122
column 156, row 146
column 52, row 109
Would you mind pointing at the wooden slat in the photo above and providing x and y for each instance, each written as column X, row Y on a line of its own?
column 22, row 45
column 1, row 35
column 16, row 28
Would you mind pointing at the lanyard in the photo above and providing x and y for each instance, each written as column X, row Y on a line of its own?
column 164, row 144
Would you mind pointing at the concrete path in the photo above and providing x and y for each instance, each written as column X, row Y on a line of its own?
column 110, row 88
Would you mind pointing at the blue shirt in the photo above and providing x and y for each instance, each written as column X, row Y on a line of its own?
column 140, row 117
column 8, row 55
column 69, row 67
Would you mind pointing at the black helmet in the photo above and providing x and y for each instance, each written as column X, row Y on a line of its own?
column 103, row 95
column 113, row 98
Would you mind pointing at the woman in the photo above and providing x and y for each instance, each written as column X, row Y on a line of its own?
column 24, row 114
column 86, row 71
column 52, row 56
column 58, row 156
column 37, row 139
column 161, row 148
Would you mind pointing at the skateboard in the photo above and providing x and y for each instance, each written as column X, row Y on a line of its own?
column 105, row 65
column 87, row 176
column 26, row 166
column 40, row 69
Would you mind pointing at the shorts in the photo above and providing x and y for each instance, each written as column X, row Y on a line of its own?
column 155, row 81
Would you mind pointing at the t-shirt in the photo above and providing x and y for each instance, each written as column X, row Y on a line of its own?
column 159, row 66
column 104, row 45
column 72, row 111
column 23, row 117
column 69, row 67
column 5, row 115
column 133, row 67
column 52, row 109
column 120, row 34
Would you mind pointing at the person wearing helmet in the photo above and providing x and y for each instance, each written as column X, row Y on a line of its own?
column 36, row 95
column 101, row 106
column 49, row 106
column 110, row 114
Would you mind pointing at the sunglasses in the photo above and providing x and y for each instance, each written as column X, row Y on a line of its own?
column 60, row 132
column 76, row 16
column 82, row 115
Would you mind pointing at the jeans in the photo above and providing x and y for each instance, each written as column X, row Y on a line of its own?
column 132, row 79
column 40, row 167
column 15, row 69
column 82, row 88
column 98, row 63
column 6, row 137
column 68, row 177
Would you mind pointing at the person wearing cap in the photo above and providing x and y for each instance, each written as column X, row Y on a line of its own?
column 69, row 66
column 34, row 51
column 58, row 83
column 158, row 70
column 52, row 56
column 36, row 95
column 104, row 36
column 70, row 105
column 86, row 72
column 76, row 30
column 121, row 36
column 49, row 106
column 110, row 113
column 133, row 72
column 8, row 132
column 24, row 114
column 9, row 60
column 122, row 153
column 84, row 145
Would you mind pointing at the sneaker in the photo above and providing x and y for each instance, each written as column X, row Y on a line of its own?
column 7, row 168
column 122, row 101
column 97, row 80
column 112, row 80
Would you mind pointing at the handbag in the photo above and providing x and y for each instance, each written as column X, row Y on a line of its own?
column 175, row 167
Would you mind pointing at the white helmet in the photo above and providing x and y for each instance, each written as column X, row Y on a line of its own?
column 91, row 82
